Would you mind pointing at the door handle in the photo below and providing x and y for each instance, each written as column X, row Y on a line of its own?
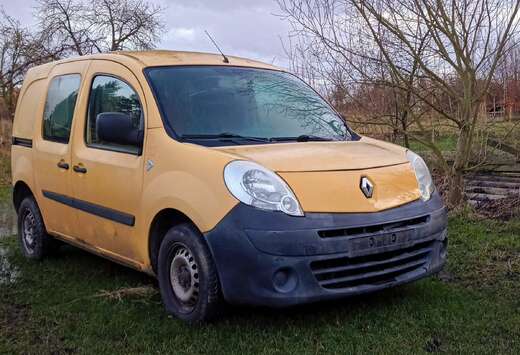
column 62, row 165
column 79, row 169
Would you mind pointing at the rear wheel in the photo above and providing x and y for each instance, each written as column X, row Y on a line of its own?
column 188, row 279
column 34, row 240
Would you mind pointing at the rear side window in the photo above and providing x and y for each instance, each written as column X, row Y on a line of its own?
column 110, row 94
column 59, row 107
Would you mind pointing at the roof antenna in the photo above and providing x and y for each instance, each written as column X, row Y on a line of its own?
column 226, row 60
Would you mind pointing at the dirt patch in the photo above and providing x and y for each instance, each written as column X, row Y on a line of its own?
column 12, row 317
column 39, row 335
column 6, row 127
column 433, row 345
column 5, row 167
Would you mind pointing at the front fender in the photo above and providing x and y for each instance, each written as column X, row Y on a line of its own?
column 185, row 177
column 195, row 197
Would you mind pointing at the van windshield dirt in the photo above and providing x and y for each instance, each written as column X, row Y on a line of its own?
column 213, row 105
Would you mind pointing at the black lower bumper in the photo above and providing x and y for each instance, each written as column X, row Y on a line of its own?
column 269, row 258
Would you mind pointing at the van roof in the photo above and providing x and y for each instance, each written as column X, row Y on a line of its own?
column 165, row 57
column 152, row 58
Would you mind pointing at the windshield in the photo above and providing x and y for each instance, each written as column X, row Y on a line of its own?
column 205, row 102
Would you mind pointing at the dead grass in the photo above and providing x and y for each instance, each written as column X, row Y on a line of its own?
column 142, row 293
column 128, row 292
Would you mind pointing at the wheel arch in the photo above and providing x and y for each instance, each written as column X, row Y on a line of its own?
column 20, row 191
column 161, row 223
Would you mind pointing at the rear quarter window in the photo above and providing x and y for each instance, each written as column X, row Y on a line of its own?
column 59, row 107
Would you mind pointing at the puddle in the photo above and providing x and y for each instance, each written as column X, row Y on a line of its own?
column 8, row 273
column 7, row 220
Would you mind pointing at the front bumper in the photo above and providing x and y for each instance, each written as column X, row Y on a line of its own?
column 269, row 258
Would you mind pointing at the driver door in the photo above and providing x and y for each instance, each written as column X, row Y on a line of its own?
column 107, row 178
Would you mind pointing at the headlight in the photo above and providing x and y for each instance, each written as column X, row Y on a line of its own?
column 422, row 174
column 257, row 186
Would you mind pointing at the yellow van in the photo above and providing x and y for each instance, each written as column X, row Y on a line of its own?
column 229, row 180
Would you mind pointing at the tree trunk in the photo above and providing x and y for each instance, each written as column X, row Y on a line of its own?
column 395, row 135
column 468, row 121
column 456, row 189
column 405, row 133
column 406, row 140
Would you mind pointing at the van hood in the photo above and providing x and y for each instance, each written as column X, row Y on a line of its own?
column 365, row 153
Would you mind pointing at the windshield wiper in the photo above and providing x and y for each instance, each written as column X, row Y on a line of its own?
column 224, row 135
column 302, row 138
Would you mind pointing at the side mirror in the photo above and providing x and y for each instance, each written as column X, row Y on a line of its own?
column 117, row 127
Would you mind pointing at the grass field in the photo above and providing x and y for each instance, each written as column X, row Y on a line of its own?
column 74, row 303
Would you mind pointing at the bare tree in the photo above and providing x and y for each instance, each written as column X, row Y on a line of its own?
column 443, row 54
column 101, row 25
column 126, row 24
column 338, row 48
column 20, row 49
column 68, row 27
column 65, row 21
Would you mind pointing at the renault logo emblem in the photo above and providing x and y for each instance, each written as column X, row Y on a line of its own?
column 367, row 187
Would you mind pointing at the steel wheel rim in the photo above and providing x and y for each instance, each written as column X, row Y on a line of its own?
column 28, row 231
column 184, row 278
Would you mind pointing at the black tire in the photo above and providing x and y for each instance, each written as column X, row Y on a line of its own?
column 39, row 244
column 194, row 276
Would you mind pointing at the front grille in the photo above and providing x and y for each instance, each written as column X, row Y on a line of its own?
column 371, row 270
column 374, row 228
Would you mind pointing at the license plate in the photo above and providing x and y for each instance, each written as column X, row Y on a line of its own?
column 373, row 242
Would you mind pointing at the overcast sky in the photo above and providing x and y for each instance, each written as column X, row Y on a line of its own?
column 246, row 28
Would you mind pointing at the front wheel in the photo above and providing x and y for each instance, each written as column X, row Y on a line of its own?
column 187, row 275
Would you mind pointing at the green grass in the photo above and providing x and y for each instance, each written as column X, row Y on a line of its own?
column 57, row 306
column 5, row 193
column 444, row 143
column 505, row 131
